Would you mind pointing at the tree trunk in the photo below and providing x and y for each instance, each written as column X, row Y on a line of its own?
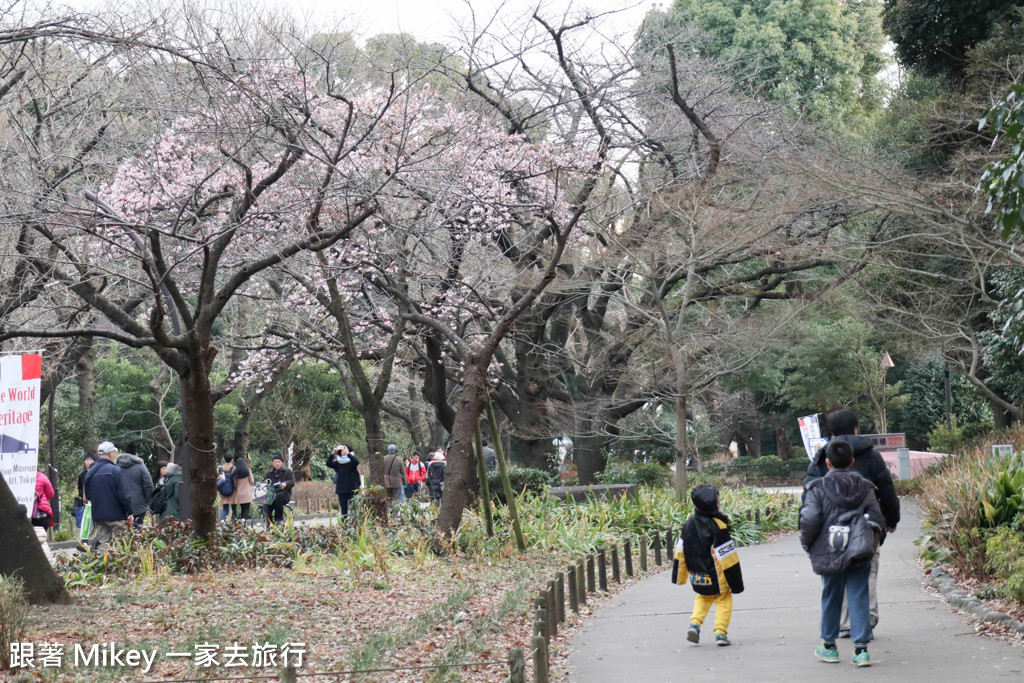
column 201, row 473
column 85, row 371
column 302, row 456
column 23, row 556
column 682, row 447
column 784, row 448
column 457, row 494
column 589, row 453
column 375, row 446
column 534, row 452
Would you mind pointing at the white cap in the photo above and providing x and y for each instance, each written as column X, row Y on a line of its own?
column 106, row 448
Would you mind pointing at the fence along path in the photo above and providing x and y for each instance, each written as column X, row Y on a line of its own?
column 639, row 635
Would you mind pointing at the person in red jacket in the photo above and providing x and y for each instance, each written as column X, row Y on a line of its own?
column 415, row 475
column 44, row 493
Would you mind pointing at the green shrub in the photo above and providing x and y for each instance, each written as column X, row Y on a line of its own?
column 639, row 473
column 908, row 487
column 1004, row 551
column 947, row 438
column 14, row 611
column 523, row 480
column 974, row 493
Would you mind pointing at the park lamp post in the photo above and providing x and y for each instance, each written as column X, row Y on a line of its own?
column 886, row 363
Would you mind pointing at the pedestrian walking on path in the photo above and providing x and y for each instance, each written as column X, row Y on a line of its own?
column 841, row 526
column 635, row 635
column 706, row 558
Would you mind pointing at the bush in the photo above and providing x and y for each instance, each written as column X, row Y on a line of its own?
column 946, row 438
column 174, row 547
column 14, row 611
column 974, row 492
column 640, row 473
column 1004, row 552
column 523, row 479
column 908, row 487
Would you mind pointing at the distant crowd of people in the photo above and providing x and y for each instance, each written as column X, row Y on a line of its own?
column 404, row 477
column 118, row 491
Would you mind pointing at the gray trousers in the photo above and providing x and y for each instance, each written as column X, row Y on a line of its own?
column 844, row 620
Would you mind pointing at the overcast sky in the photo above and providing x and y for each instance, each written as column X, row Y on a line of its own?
column 433, row 20
column 436, row 19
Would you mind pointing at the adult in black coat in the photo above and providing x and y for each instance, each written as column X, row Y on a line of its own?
column 844, row 426
column 346, row 474
column 435, row 477
column 283, row 481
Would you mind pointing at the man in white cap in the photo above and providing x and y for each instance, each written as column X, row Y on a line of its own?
column 105, row 489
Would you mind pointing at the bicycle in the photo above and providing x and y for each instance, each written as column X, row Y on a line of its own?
column 260, row 494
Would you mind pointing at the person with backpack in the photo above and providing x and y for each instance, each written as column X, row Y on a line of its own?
column 232, row 477
column 705, row 557
column 841, row 527
column 842, row 425
column 346, row 475
column 138, row 483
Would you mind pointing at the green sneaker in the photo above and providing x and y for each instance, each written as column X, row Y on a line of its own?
column 722, row 640
column 861, row 659
column 827, row 654
column 693, row 633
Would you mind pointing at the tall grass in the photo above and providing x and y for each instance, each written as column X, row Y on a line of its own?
column 581, row 528
column 954, row 502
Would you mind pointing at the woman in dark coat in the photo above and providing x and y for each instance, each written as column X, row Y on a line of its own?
column 435, row 477
column 346, row 474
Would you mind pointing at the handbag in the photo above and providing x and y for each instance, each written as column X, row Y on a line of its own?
column 259, row 492
column 86, row 522
column 38, row 518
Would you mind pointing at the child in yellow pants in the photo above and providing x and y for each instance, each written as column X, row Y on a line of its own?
column 705, row 557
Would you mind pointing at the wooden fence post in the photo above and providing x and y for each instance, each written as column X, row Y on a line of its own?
column 540, row 610
column 540, row 660
column 582, row 581
column 643, row 554
column 757, row 516
column 627, row 550
column 574, row 591
column 516, row 666
column 552, row 610
column 615, row 565
column 602, row 568
column 288, row 675
column 591, row 584
column 560, row 595
column 670, row 545
column 657, row 548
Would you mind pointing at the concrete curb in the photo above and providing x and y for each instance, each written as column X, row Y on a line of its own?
column 959, row 599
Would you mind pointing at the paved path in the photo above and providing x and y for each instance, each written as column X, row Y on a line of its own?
column 639, row 635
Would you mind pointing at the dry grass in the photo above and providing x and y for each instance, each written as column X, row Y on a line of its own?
column 315, row 496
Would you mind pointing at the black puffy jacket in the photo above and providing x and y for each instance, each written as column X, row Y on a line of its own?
column 869, row 463
column 825, row 501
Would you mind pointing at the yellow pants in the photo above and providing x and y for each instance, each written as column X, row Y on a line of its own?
column 723, row 610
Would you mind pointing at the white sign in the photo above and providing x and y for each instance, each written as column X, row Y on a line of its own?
column 19, row 424
column 810, row 434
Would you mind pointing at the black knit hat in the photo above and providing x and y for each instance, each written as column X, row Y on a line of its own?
column 705, row 498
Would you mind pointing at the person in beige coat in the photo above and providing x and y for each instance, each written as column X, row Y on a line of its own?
column 241, row 475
